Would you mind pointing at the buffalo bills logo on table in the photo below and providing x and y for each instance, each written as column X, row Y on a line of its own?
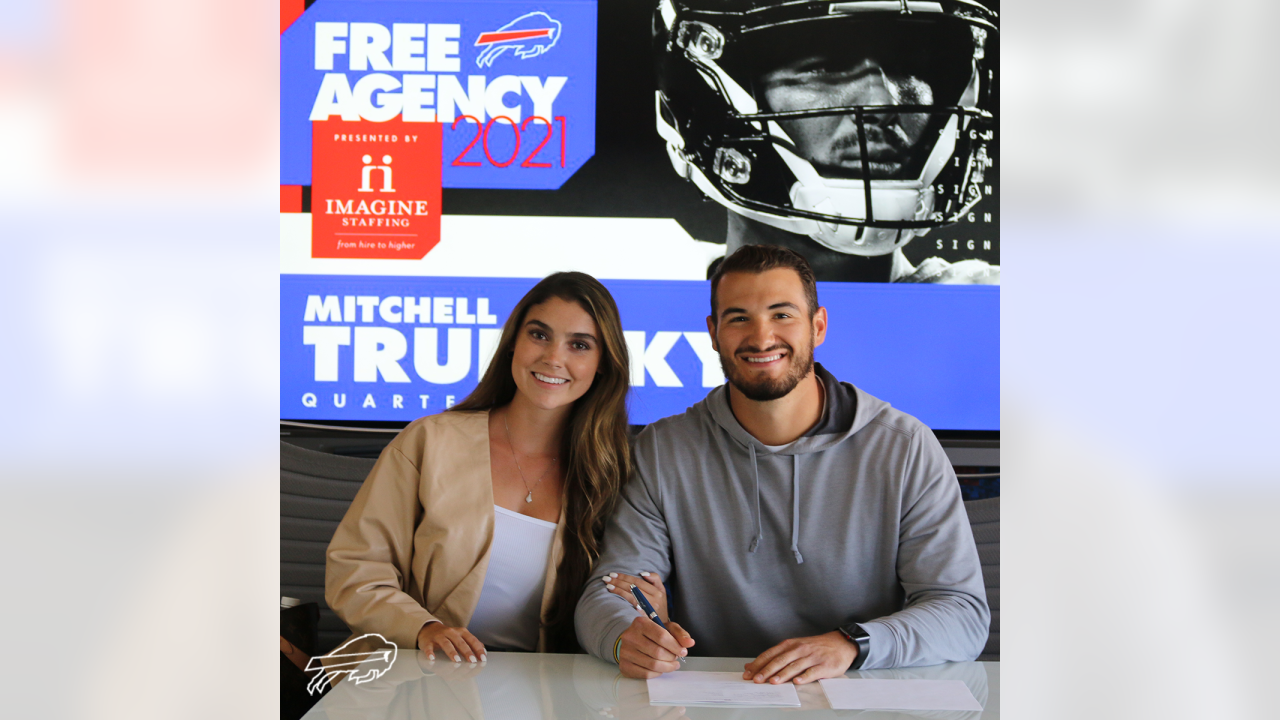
column 361, row 659
column 529, row 35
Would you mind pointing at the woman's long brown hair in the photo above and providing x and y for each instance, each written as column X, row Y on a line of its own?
column 598, row 459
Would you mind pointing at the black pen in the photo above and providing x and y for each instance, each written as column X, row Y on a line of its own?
column 648, row 610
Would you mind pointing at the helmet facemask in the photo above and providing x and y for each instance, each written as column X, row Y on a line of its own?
column 861, row 131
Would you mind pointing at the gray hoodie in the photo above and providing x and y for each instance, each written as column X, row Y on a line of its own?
column 859, row 521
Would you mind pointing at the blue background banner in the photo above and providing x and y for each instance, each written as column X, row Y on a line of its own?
column 350, row 351
column 484, row 156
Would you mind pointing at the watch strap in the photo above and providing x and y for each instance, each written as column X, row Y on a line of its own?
column 856, row 635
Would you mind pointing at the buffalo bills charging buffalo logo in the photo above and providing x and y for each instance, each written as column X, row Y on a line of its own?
column 362, row 659
column 529, row 35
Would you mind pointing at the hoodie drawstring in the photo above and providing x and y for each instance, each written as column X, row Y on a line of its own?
column 795, row 506
column 755, row 468
column 795, row 509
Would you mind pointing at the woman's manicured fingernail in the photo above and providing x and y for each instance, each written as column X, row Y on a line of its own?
column 483, row 657
column 644, row 574
column 606, row 578
column 473, row 659
column 609, row 586
column 432, row 657
column 457, row 658
column 613, row 575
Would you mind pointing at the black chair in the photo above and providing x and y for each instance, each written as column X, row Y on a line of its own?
column 315, row 490
column 984, row 520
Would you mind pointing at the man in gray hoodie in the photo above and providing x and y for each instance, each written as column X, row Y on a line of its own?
column 795, row 518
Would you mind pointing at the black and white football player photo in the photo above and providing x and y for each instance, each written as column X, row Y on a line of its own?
column 841, row 130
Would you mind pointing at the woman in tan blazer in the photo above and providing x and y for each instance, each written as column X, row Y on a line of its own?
column 538, row 448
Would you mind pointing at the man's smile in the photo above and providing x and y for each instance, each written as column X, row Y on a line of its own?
column 763, row 358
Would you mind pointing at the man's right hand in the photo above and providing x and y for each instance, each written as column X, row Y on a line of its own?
column 647, row 651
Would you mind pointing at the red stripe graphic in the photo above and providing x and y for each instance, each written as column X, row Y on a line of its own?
column 490, row 38
column 290, row 198
column 290, row 10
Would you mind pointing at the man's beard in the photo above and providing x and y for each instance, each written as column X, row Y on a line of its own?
column 766, row 389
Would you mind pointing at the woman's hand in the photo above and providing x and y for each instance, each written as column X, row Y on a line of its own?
column 649, row 583
column 454, row 643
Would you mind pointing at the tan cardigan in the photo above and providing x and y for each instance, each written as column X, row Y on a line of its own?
column 414, row 545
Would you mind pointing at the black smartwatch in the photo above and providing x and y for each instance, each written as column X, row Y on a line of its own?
column 856, row 635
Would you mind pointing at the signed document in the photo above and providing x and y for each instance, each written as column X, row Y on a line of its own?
column 686, row 687
column 868, row 694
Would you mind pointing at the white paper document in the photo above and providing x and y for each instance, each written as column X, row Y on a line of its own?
column 687, row 687
column 868, row 694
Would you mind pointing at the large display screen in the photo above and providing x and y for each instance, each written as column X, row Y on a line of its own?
column 438, row 158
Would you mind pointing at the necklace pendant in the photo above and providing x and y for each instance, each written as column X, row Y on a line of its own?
column 529, row 498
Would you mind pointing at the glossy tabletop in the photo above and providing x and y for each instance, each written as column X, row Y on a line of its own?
column 528, row 686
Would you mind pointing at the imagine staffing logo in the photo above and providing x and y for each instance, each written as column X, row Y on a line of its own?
column 366, row 174
column 360, row 207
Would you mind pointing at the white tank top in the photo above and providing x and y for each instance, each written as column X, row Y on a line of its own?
column 509, row 611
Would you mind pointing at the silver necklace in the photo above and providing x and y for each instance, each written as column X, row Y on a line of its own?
column 527, row 498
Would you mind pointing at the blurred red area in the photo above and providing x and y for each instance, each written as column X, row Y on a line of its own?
column 15, row 68
column 137, row 157
column 155, row 94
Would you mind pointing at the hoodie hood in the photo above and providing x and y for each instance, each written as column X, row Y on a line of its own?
column 845, row 411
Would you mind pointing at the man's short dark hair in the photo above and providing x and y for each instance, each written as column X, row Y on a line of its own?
column 756, row 259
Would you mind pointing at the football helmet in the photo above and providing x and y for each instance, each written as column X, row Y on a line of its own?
column 861, row 124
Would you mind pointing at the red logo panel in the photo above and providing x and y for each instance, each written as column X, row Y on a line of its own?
column 375, row 189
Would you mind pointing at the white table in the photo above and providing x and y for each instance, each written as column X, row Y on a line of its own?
column 527, row 686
